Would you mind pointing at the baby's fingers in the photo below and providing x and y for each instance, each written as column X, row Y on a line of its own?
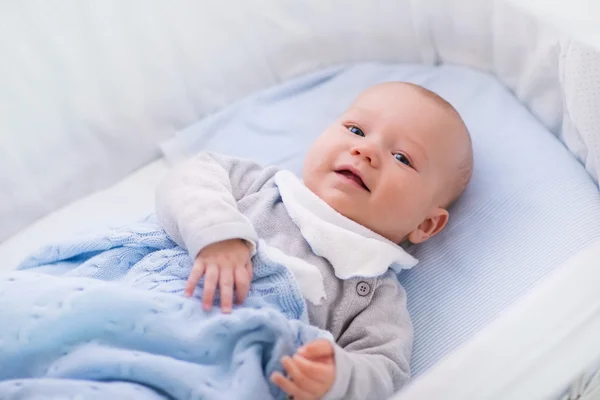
column 248, row 267
column 317, row 371
column 194, row 278
column 298, row 376
column 226, row 288
column 289, row 387
column 318, row 348
column 242, row 284
column 210, row 284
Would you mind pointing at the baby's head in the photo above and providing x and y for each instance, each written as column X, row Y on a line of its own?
column 393, row 162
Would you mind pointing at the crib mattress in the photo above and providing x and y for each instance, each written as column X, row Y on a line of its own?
column 542, row 205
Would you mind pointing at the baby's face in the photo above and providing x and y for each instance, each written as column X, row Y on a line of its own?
column 385, row 163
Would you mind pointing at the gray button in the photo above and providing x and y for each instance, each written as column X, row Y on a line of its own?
column 363, row 288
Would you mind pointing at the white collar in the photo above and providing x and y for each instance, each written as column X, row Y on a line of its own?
column 352, row 249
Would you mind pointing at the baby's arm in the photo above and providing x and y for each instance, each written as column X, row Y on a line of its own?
column 370, row 359
column 196, row 205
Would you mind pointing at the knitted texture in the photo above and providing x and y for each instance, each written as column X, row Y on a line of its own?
column 75, row 336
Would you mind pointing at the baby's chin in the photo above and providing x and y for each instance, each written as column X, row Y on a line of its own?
column 343, row 204
column 353, row 210
column 332, row 196
column 339, row 204
column 340, row 199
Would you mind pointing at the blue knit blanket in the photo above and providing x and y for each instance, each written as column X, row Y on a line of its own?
column 104, row 317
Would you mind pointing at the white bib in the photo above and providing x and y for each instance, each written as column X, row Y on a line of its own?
column 352, row 249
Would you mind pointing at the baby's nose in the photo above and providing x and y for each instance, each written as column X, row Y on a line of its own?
column 368, row 152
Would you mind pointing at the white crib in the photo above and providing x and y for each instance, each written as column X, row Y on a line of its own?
column 89, row 89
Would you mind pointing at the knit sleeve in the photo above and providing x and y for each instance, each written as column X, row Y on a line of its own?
column 196, row 203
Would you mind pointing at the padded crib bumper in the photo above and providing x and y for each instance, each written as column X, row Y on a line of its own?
column 89, row 89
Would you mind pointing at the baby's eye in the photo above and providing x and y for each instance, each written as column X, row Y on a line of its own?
column 356, row 130
column 402, row 158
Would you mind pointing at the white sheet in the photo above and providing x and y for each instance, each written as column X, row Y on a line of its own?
column 128, row 200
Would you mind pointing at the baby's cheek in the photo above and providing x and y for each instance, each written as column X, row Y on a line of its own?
column 396, row 198
column 398, row 210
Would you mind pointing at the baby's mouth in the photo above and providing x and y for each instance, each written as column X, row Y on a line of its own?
column 354, row 177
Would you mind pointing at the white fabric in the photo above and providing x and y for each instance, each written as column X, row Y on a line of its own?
column 128, row 200
column 580, row 19
column 90, row 88
column 585, row 387
column 351, row 249
column 307, row 275
column 580, row 78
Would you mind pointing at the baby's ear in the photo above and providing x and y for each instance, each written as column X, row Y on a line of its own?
column 431, row 226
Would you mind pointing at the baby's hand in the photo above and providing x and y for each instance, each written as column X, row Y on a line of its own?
column 311, row 371
column 225, row 262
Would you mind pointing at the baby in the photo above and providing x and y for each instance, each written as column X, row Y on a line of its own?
column 384, row 173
